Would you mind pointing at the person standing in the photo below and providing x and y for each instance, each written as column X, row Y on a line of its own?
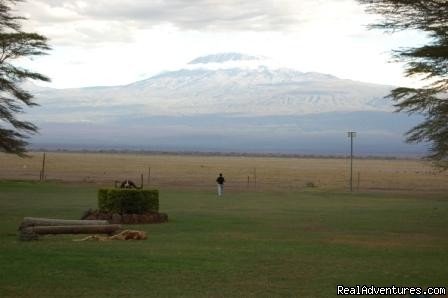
column 220, row 181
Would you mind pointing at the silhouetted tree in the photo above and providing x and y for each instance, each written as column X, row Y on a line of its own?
column 15, row 44
column 429, row 61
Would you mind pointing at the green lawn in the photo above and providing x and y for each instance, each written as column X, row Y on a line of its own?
column 278, row 244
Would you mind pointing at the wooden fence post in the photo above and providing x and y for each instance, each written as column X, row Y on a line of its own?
column 141, row 181
column 42, row 171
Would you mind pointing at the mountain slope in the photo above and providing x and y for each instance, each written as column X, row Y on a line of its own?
column 260, row 91
column 196, row 106
column 251, row 92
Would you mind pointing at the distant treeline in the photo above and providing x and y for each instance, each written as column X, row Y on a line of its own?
column 232, row 154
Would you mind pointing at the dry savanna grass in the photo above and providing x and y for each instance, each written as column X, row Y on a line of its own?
column 241, row 172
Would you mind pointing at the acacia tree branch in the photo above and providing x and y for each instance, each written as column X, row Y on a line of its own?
column 14, row 44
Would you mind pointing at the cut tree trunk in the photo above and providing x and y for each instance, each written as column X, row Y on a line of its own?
column 34, row 221
column 72, row 229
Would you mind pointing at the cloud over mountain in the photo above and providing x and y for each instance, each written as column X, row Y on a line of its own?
column 84, row 20
column 185, row 14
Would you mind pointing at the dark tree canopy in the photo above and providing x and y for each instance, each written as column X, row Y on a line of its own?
column 14, row 44
column 430, row 62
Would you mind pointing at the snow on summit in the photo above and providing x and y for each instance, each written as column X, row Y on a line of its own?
column 223, row 57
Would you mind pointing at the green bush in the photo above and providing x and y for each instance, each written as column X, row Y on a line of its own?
column 128, row 200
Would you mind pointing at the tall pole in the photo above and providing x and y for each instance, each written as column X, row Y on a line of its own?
column 351, row 135
column 351, row 163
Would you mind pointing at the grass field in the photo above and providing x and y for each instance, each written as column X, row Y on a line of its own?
column 248, row 244
column 199, row 172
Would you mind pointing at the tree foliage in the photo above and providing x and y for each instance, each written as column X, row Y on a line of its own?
column 15, row 44
column 430, row 62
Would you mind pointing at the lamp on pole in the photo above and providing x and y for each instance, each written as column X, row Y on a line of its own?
column 351, row 135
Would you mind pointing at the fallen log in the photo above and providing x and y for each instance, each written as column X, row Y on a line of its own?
column 35, row 221
column 32, row 233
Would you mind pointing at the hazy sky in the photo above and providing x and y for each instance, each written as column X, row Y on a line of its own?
column 111, row 42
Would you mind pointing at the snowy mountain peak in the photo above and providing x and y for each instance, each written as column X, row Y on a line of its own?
column 222, row 58
column 221, row 104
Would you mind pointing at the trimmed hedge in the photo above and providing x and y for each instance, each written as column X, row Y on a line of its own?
column 125, row 201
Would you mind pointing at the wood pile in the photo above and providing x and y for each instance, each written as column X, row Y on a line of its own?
column 31, row 228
